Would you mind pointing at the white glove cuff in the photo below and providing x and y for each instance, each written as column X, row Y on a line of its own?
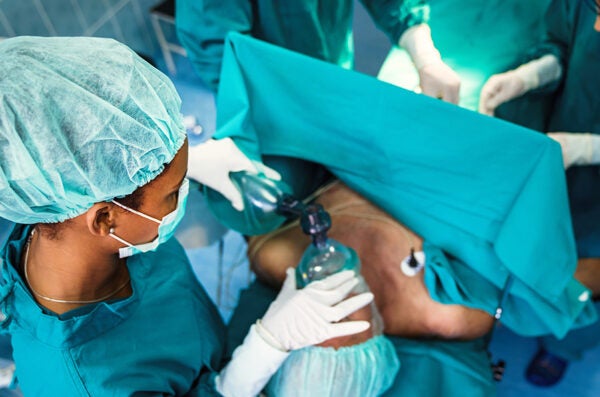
column 268, row 337
column 417, row 41
column 539, row 72
column 581, row 148
column 595, row 149
column 252, row 365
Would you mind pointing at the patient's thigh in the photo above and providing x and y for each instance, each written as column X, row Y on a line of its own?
column 381, row 243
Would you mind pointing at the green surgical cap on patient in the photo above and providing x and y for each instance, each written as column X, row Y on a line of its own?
column 82, row 120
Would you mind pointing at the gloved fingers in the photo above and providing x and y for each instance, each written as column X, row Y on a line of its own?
column 231, row 193
column 239, row 162
column 496, row 87
column 196, row 162
column 444, row 92
column 429, row 90
column 211, row 162
column 289, row 283
column 438, row 80
column 451, row 95
column 235, row 158
column 348, row 306
column 489, row 90
column 335, row 295
column 501, row 88
column 331, row 282
column 267, row 171
column 306, row 327
column 347, row 328
column 483, row 109
column 498, row 98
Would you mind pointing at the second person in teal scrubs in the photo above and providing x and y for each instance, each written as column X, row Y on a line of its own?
column 567, row 64
column 321, row 29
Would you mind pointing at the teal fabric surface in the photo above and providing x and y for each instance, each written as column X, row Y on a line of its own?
column 321, row 29
column 576, row 343
column 165, row 339
column 434, row 368
column 490, row 194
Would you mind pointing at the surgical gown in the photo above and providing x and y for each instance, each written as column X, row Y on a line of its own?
column 572, row 38
column 321, row 29
column 165, row 339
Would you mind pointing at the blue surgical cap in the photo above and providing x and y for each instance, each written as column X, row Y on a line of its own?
column 82, row 120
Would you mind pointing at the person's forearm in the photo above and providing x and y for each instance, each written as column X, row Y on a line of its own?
column 252, row 365
column 396, row 17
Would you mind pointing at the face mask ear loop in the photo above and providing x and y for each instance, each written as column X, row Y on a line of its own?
column 136, row 212
column 112, row 234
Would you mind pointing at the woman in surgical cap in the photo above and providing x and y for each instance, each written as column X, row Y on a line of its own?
column 567, row 64
column 97, row 297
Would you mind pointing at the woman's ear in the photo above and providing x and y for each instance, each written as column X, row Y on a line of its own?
column 100, row 218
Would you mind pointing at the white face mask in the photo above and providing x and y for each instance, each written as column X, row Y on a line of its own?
column 166, row 226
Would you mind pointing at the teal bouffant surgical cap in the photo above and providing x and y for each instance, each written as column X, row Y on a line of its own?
column 82, row 120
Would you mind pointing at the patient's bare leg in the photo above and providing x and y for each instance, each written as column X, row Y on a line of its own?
column 381, row 243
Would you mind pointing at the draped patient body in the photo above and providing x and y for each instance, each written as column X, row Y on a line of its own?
column 381, row 242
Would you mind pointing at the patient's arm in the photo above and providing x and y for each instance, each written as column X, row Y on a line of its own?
column 381, row 243
column 588, row 273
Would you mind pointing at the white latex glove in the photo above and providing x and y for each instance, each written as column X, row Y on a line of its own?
column 436, row 78
column 509, row 85
column 578, row 148
column 251, row 366
column 296, row 319
column 309, row 316
column 210, row 163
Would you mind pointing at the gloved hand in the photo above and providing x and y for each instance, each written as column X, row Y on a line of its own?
column 436, row 78
column 297, row 318
column 305, row 317
column 210, row 163
column 503, row 87
column 578, row 148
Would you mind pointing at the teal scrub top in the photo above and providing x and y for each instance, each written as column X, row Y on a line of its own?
column 166, row 339
column 476, row 187
column 572, row 38
column 318, row 28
